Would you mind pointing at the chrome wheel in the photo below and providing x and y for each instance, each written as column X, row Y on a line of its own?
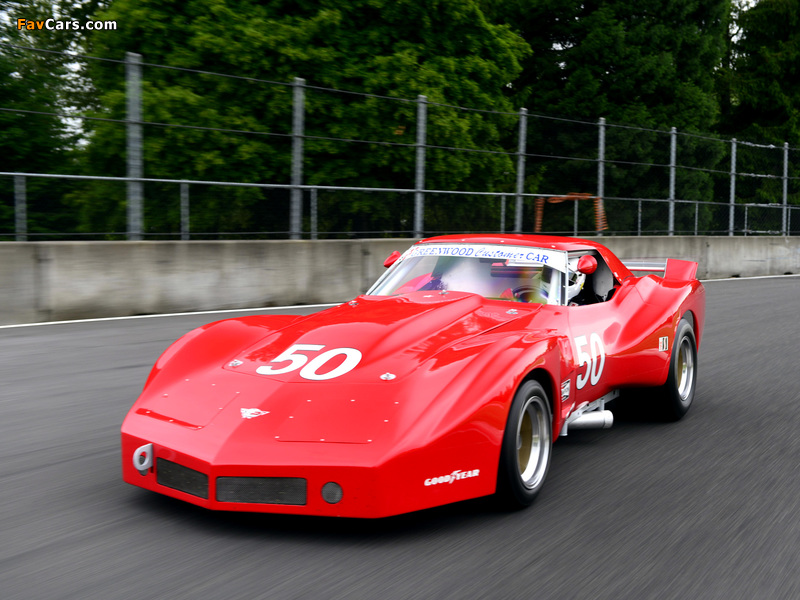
column 533, row 442
column 684, row 366
column 676, row 395
column 527, row 446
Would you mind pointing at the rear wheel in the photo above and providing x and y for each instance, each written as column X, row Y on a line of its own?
column 527, row 447
column 677, row 393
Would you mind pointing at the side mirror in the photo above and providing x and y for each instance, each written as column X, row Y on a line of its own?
column 392, row 259
column 587, row 264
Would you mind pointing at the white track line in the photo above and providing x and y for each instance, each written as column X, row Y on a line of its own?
column 752, row 277
column 184, row 314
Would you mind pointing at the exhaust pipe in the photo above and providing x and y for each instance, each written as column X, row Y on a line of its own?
column 597, row 419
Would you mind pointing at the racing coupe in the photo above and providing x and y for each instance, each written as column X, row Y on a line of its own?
column 449, row 379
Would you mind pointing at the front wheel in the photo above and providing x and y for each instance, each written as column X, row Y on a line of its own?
column 527, row 447
column 678, row 392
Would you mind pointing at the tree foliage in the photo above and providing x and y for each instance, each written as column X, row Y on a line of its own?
column 724, row 67
column 765, row 86
column 649, row 63
column 760, row 89
column 445, row 50
column 31, row 141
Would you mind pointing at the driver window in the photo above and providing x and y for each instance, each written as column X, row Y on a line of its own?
column 590, row 288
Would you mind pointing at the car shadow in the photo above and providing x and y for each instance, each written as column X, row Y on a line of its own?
column 320, row 528
column 569, row 451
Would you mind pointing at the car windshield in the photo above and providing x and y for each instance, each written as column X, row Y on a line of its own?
column 516, row 273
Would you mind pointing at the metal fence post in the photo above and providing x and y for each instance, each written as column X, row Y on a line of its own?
column 575, row 219
column 185, row 231
column 133, row 83
column 601, row 170
column 502, row 213
column 20, row 209
column 639, row 219
column 419, row 179
column 521, row 149
column 673, row 151
column 298, row 132
column 733, row 186
column 785, row 188
column 314, row 215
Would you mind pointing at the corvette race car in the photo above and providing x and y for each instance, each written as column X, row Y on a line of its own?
column 449, row 379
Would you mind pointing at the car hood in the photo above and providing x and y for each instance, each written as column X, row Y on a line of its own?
column 393, row 335
column 376, row 397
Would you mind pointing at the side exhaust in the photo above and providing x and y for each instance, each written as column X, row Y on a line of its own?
column 598, row 419
column 592, row 415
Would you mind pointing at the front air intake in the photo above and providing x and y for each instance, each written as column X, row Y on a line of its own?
column 183, row 479
column 262, row 490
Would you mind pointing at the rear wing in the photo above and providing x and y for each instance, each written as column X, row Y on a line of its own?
column 648, row 265
column 672, row 268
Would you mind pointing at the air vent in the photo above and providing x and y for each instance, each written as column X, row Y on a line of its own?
column 262, row 490
column 184, row 479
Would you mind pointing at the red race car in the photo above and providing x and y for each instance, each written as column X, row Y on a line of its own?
column 449, row 379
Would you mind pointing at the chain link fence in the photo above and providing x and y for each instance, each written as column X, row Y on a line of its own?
column 332, row 163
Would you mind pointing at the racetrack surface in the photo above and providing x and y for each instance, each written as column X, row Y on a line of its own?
column 708, row 507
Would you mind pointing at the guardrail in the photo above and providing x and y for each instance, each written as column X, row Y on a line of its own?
column 627, row 216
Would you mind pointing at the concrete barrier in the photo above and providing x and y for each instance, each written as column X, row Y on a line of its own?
column 717, row 257
column 44, row 281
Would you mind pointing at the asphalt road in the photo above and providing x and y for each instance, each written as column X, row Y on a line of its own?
column 705, row 508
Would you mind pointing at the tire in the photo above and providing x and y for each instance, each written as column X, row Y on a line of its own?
column 527, row 447
column 677, row 393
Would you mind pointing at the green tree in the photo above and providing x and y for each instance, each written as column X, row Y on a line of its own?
column 31, row 141
column 648, row 64
column 761, row 93
column 443, row 49
column 765, row 88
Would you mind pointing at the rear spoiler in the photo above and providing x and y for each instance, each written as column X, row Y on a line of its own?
column 648, row 265
column 674, row 269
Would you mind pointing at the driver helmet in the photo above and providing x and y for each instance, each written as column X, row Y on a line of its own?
column 575, row 281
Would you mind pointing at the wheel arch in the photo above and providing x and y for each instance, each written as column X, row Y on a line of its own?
column 545, row 379
column 693, row 309
column 542, row 376
column 694, row 313
column 689, row 316
column 522, row 468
